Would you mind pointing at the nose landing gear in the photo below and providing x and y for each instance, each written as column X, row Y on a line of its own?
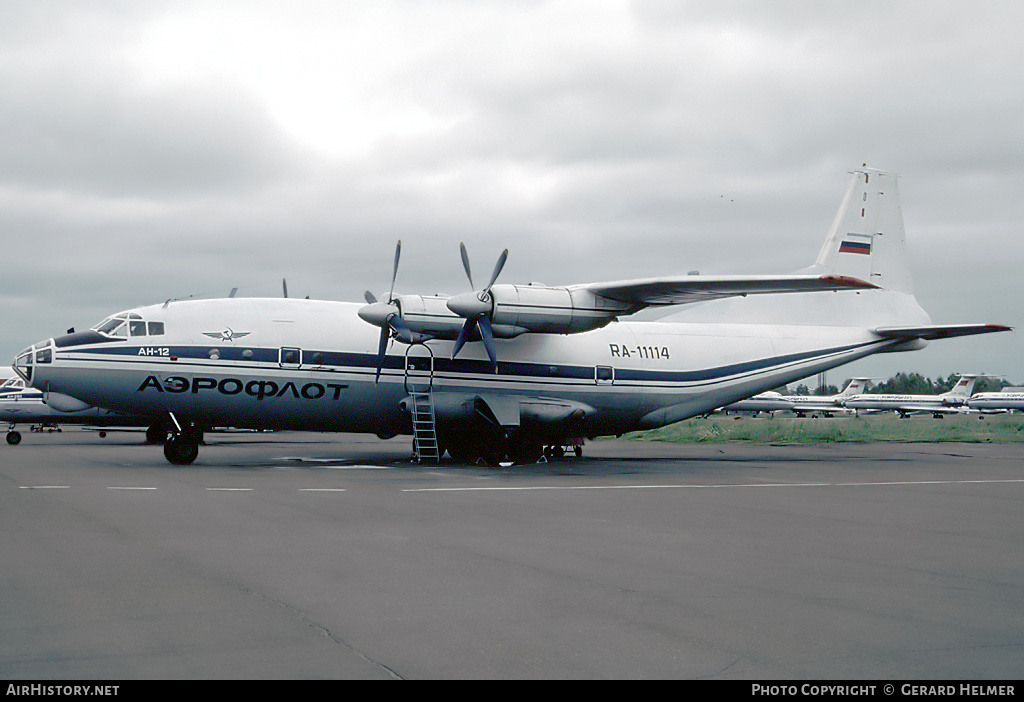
column 182, row 446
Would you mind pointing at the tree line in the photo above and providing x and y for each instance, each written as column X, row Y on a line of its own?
column 906, row 384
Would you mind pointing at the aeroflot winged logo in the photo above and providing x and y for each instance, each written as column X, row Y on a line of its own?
column 228, row 334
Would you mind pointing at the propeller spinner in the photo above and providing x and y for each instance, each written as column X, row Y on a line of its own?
column 477, row 307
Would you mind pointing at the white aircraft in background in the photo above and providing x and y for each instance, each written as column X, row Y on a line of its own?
column 507, row 369
column 1003, row 401
column 828, row 404
column 802, row 405
column 770, row 401
column 24, row 405
column 952, row 402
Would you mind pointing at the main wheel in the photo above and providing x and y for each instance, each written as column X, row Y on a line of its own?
column 524, row 449
column 13, row 438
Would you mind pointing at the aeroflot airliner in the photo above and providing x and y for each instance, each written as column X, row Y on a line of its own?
column 802, row 405
column 952, row 402
column 507, row 370
column 1003, row 401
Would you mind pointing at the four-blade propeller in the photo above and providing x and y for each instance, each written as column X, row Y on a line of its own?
column 386, row 315
column 477, row 307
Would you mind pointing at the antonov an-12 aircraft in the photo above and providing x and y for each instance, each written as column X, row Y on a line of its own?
column 506, row 370
column 952, row 402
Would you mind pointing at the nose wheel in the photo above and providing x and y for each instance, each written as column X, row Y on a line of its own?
column 181, row 450
column 182, row 446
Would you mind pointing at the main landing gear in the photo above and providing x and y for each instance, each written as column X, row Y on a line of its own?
column 494, row 448
column 14, row 437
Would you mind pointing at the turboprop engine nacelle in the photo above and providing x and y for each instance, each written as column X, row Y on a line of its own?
column 424, row 318
column 540, row 309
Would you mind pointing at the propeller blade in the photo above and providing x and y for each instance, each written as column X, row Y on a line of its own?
column 465, row 264
column 284, row 284
column 234, row 291
column 401, row 328
column 382, row 348
column 477, row 307
column 464, row 334
column 488, row 337
column 394, row 273
column 497, row 268
column 368, row 296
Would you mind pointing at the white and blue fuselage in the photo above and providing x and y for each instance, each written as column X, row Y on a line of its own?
column 304, row 364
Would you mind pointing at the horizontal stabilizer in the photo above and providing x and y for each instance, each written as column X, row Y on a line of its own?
column 699, row 288
column 937, row 331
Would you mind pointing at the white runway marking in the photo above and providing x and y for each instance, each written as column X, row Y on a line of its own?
column 116, row 487
column 321, row 489
column 229, row 489
column 45, row 487
column 357, row 468
column 694, row 486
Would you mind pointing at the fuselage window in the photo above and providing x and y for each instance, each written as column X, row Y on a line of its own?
column 137, row 328
column 156, row 328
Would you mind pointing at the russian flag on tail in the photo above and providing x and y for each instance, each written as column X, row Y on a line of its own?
column 857, row 247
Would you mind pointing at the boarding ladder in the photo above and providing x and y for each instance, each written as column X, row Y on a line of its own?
column 419, row 377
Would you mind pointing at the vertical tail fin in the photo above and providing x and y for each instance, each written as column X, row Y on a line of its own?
column 867, row 239
column 855, row 387
column 962, row 390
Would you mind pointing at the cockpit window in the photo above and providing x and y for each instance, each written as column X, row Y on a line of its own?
column 129, row 324
column 113, row 326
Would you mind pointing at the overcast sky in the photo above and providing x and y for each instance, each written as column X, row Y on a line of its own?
column 154, row 150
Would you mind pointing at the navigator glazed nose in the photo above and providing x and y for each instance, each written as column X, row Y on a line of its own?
column 25, row 363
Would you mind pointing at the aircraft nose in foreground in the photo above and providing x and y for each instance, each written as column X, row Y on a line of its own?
column 37, row 354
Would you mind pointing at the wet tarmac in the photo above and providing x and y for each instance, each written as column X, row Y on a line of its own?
column 332, row 556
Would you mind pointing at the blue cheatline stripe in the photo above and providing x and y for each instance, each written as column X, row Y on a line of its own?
column 335, row 361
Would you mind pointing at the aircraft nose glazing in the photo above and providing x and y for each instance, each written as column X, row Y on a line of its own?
column 23, row 364
column 37, row 354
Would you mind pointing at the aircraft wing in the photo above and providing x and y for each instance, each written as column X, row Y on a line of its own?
column 937, row 331
column 698, row 288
